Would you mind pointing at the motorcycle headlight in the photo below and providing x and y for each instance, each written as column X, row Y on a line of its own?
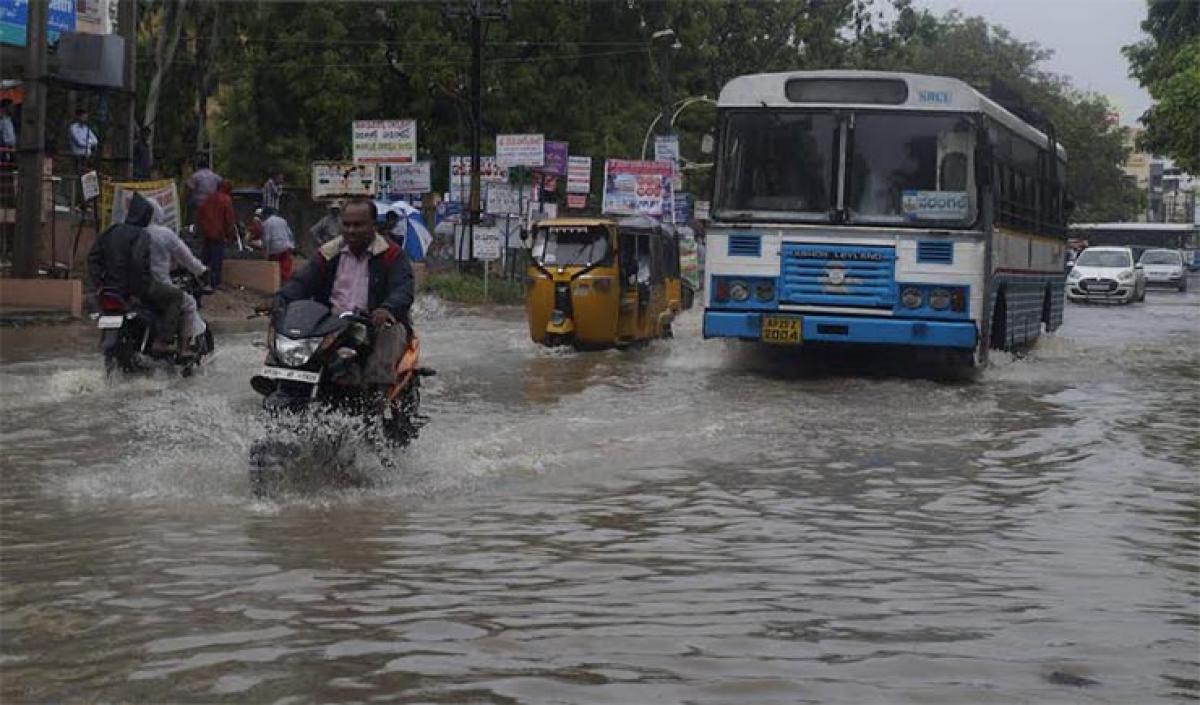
column 295, row 352
column 1126, row 276
column 939, row 299
column 911, row 297
column 738, row 291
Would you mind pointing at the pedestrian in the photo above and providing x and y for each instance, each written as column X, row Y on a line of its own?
column 201, row 184
column 391, row 228
column 142, row 161
column 327, row 228
column 218, row 226
column 272, row 191
column 81, row 140
column 278, row 242
column 8, row 134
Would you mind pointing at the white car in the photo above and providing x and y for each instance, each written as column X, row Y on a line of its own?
column 1106, row 274
column 1164, row 268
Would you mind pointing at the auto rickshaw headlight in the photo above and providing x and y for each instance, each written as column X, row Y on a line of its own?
column 764, row 291
column 739, row 291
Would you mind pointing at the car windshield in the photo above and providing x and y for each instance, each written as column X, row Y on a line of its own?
column 563, row 245
column 779, row 163
column 1161, row 257
column 915, row 169
column 1109, row 258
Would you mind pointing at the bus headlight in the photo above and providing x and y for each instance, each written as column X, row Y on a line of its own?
column 738, row 291
column 911, row 297
column 939, row 299
column 764, row 291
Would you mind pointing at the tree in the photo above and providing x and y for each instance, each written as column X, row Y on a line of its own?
column 1167, row 64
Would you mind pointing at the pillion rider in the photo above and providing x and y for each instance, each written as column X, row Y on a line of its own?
column 360, row 272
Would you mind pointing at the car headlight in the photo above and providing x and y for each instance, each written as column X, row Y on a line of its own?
column 764, row 291
column 295, row 352
column 939, row 299
column 738, row 291
column 1125, row 276
column 1075, row 275
column 911, row 297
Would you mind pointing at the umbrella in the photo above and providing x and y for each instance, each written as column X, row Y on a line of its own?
column 417, row 236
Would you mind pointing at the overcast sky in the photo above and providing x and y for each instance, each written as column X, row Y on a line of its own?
column 1086, row 36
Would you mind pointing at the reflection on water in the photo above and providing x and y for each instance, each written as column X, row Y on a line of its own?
column 688, row 522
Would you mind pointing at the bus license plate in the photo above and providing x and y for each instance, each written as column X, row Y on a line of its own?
column 290, row 375
column 783, row 330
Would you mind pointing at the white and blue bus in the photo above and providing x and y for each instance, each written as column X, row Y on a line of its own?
column 882, row 208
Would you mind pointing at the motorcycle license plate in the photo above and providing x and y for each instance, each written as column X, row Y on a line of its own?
column 107, row 322
column 783, row 330
column 290, row 375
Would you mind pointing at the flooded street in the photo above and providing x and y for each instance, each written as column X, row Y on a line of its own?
column 695, row 522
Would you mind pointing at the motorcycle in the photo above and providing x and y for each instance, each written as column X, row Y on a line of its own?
column 316, row 362
column 128, row 327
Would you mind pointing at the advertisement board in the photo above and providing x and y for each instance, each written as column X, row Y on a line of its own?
column 577, row 200
column 520, row 150
column 14, row 20
column 404, row 178
column 666, row 149
column 506, row 199
column 579, row 175
column 385, row 141
column 490, row 172
column 554, row 158
column 636, row 187
column 487, row 243
column 342, row 179
column 115, row 197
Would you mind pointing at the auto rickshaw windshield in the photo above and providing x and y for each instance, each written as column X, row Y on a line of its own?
column 568, row 245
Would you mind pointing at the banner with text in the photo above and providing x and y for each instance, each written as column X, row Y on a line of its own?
column 342, row 180
column 385, row 141
column 490, row 172
column 636, row 187
column 520, row 150
column 579, row 175
column 115, row 197
column 554, row 158
column 404, row 178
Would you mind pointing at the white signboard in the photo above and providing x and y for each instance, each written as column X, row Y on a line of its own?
column 405, row 178
column 460, row 177
column 520, row 150
column 342, row 179
column 579, row 175
column 934, row 205
column 91, row 185
column 487, row 243
column 702, row 210
column 506, row 199
column 666, row 149
column 385, row 141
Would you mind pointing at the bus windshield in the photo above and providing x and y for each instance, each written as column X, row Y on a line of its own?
column 779, row 163
column 568, row 245
column 912, row 169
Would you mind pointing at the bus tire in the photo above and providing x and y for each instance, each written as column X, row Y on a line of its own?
column 998, row 339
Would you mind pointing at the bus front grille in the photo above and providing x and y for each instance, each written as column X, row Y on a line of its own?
column 838, row 275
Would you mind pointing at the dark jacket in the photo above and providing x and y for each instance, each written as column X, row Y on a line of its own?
column 390, row 285
column 120, row 259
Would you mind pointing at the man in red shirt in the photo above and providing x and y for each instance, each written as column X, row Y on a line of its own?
column 218, row 226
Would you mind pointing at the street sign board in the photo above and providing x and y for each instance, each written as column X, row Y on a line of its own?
column 385, row 141
column 579, row 175
column 520, row 150
column 487, row 243
column 554, row 158
column 404, row 178
column 666, row 149
column 460, row 176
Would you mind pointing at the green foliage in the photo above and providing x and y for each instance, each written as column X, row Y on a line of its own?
column 1168, row 65
column 468, row 289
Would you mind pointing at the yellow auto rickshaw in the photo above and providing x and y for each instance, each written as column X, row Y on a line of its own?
column 595, row 282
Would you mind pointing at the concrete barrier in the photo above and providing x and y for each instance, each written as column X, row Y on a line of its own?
column 43, row 294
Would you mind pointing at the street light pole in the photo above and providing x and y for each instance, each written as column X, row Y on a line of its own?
column 665, row 36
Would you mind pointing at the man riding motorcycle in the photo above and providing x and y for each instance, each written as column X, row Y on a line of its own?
column 360, row 272
column 168, row 252
column 120, row 260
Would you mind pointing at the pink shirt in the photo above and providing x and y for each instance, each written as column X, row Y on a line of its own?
column 350, row 284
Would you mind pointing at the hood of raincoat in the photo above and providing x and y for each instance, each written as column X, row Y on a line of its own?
column 140, row 211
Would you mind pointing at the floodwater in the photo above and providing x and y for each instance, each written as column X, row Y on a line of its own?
column 692, row 522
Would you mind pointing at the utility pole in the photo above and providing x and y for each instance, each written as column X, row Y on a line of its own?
column 33, row 144
column 477, row 13
column 125, row 124
column 666, row 37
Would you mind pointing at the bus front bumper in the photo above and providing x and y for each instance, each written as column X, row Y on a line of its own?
column 847, row 329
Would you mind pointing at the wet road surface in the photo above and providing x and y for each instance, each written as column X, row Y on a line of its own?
column 695, row 522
